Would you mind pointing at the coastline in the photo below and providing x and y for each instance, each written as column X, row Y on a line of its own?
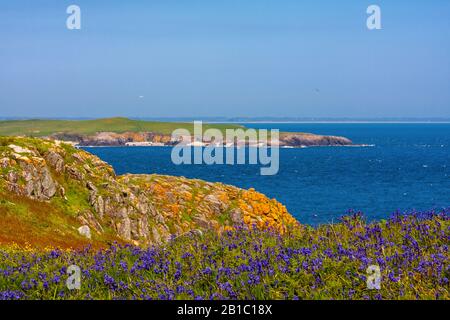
column 333, row 122
column 281, row 147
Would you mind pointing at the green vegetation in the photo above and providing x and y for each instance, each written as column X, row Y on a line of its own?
column 39, row 128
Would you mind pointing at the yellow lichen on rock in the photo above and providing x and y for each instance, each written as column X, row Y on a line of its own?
column 264, row 212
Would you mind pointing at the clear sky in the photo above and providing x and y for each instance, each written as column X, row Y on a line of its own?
column 162, row 58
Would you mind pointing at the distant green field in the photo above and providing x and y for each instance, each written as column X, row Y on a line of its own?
column 39, row 128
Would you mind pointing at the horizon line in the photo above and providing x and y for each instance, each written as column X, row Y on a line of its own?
column 250, row 119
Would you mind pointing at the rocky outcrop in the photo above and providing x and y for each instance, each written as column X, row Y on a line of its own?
column 308, row 140
column 142, row 209
column 31, row 176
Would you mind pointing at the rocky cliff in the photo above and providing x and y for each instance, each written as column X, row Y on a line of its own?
column 309, row 139
column 52, row 188
column 113, row 138
column 120, row 139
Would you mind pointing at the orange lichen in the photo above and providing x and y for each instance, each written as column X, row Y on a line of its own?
column 264, row 212
column 158, row 189
column 175, row 208
column 223, row 196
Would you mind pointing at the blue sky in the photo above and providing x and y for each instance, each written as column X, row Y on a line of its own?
column 163, row 58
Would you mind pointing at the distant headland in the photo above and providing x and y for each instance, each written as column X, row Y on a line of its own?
column 128, row 132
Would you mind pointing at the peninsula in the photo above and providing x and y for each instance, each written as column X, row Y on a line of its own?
column 128, row 132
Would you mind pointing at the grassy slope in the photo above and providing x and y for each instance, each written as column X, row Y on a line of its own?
column 44, row 223
column 39, row 128
column 27, row 222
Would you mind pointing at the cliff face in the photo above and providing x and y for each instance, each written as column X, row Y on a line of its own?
column 78, row 190
column 113, row 138
column 120, row 139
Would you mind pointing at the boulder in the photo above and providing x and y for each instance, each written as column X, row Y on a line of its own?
column 85, row 231
column 55, row 160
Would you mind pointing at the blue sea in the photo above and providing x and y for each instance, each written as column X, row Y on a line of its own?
column 406, row 167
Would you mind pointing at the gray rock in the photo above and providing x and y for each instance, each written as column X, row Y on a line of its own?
column 38, row 181
column 85, row 231
column 91, row 186
column 55, row 161
column 124, row 225
column 236, row 216
column 99, row 207
column 202, row 222
column 74, row 173
column 19, row 149
column 48, row 185
column 143, row 227
column 155, row 234
column 215, row 204
column 14, row 188
column 4, row 162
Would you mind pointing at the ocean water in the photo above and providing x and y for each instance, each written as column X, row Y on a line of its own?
column 406, row 167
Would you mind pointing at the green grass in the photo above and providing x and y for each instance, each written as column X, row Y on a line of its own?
column 39, row 128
